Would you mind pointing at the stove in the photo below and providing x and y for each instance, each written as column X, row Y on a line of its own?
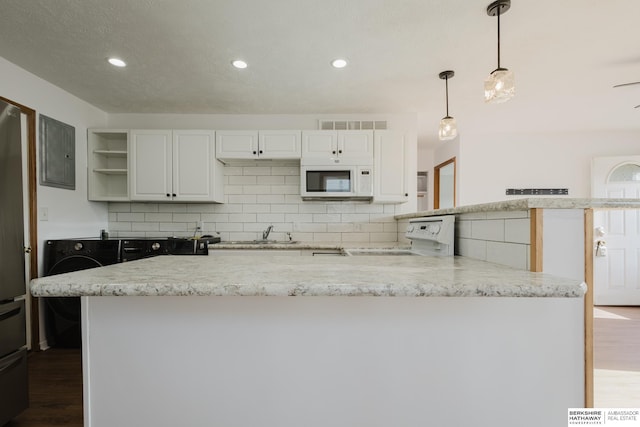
column 430, row 236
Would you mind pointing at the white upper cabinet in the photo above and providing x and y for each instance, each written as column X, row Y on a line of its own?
column 179, row 165
column 197, row 175
column 343, row 146
column 281, row 144
column 390, row 167
column 236, row 144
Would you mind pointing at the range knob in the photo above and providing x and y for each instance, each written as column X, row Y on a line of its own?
column 410, row 229
column 155, row 246
column 78, row 246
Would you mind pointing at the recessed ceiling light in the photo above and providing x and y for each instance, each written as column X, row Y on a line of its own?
column 117, row 62
column 238, row 63
column 339, row 63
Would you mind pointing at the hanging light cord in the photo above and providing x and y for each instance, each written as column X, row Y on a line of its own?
column 446, row 85
column 498, row 13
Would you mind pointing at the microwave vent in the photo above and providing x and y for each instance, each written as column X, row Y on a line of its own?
column 352, row 124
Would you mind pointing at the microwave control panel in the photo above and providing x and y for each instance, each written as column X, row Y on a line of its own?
column 365, row 182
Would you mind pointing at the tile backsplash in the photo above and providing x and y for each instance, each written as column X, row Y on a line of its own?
column 498, row 237
column 259, row 194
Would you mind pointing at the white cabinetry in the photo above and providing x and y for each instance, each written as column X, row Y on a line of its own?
column 346, row 147
column 279, row 144
column 177, row 165
column 107, row 164
column 273, row 144
column 390, row 167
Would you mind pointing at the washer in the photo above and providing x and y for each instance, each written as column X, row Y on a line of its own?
column 62, row 314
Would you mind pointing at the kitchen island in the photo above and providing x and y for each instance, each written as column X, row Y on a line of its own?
column 276, row 340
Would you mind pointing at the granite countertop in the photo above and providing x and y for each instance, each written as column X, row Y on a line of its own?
column 295, row 245
column 530, row 203
column 276, row 245
column 288, row 275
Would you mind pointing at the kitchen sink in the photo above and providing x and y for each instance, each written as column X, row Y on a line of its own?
column 259, row 242
column 369, row 252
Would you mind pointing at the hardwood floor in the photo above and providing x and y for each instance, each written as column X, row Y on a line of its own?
column 616, row 336
column 55, row 390
column 55, row 375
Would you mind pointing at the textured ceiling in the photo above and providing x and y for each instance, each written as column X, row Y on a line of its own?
column 566, row 55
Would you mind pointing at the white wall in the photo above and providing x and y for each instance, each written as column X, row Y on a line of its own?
column 490, row 163
column 252, row 121
column 425, row 163
column 70, row 214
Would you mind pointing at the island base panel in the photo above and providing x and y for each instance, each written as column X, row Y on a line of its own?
column 331, row 361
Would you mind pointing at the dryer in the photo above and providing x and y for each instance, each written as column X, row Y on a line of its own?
column 62, row 314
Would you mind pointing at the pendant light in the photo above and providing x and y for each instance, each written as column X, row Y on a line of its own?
column 500, row 85
column 448, row 129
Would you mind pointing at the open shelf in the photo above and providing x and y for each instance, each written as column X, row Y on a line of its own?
column 108, row 164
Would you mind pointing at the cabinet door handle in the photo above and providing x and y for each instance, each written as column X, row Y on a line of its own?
column 174, row 194
column 260, row 151
column 168, row 195
column 339, row 151
column 333, row 152
column 255, row 152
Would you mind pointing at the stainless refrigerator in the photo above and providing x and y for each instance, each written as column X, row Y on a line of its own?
column 13, row 353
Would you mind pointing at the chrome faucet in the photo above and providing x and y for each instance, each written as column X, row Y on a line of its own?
column 265, row 233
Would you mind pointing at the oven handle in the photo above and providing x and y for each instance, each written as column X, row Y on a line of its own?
column 10, row 313
column 11, row 363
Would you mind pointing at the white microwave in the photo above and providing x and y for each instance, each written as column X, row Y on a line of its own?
column 336, row 182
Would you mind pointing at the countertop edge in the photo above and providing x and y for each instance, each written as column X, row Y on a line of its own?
column 316, row 290
column 530, row 203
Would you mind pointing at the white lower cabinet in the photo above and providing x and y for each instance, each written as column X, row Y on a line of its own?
column 390, row 167
column 174, row 165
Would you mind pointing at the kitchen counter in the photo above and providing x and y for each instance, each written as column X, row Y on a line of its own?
column 530, row 203
column 282, row 275
column 289, row 341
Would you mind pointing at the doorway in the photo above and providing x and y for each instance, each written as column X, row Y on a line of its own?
column 444, row 185
column 616, row 284
column 616, row 264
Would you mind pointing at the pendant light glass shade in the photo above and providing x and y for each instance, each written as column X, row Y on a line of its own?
column 448, row 129
column 499, row 86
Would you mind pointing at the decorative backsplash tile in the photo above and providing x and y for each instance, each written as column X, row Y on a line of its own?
column 259, row 194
